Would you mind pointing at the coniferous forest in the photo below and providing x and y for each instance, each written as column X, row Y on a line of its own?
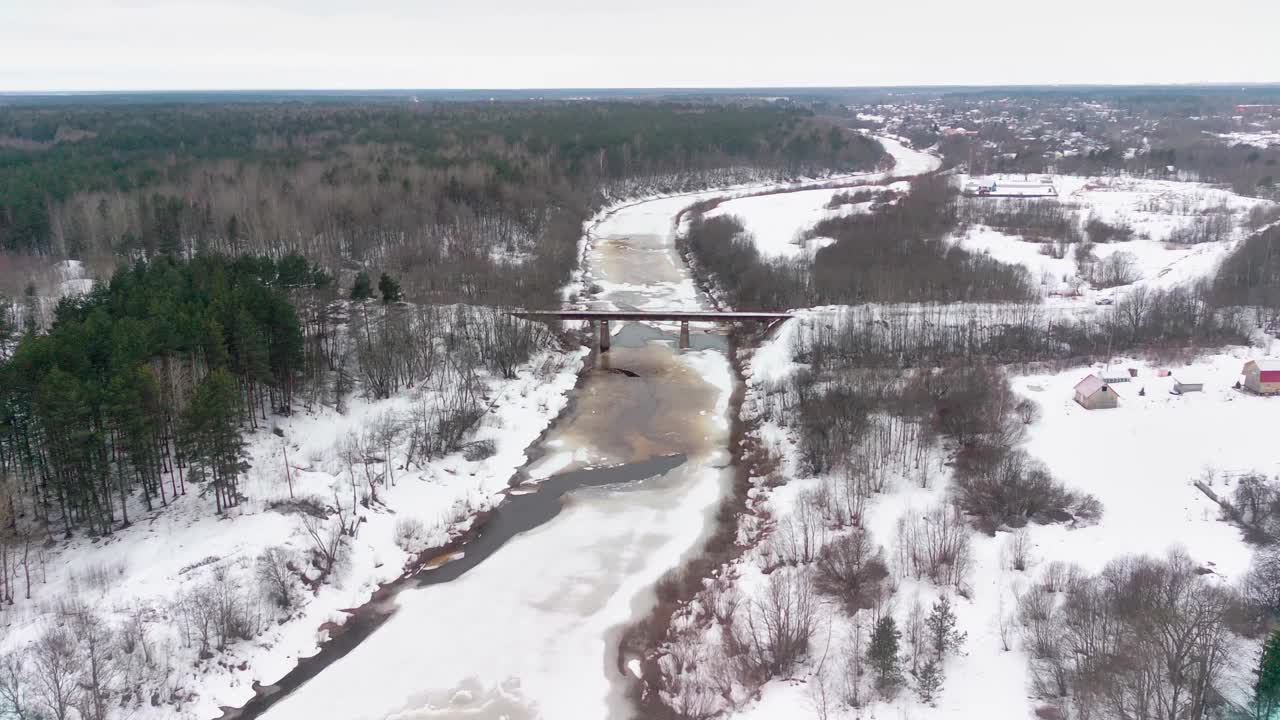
column 144, row 384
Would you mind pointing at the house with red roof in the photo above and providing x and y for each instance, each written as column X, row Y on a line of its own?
column 1262, row 376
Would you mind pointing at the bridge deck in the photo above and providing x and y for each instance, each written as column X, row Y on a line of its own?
column 653, row 315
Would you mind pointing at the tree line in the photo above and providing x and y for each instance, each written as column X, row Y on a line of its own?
column 474, row 202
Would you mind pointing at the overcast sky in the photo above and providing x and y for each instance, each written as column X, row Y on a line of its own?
column 332, row 44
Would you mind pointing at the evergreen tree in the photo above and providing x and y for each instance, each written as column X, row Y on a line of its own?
column 941, row 623
column 389, row 288
column 211, row 437
column 6, row 328
column 883, row 653
column 90, row 410
column 929, row 681
column 233, row 233
column 362, row 289
column 1266, row 698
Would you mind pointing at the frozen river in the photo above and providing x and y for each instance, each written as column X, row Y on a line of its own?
column 532, row 630
column 526, row 623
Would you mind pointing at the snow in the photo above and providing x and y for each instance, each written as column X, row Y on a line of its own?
column 1013, row 250
column 1261, row 138
column 180, row 549
column 537, row 617
column 1154, row 209
column 531, row 631
column 74, row 280
column 1140, row 460
column 776, row 220
column 653, row 215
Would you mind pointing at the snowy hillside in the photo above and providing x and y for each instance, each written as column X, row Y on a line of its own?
column 159, row 578
column 1139, row 461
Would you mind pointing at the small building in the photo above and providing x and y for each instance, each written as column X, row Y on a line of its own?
column 1185, row 385
column 1094, row 394
column 1262, row 376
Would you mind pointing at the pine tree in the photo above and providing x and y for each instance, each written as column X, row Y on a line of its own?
column 1266, row 698
column 233, row 233
column 211, row 437
column 929, row 681
column 941, row 623
column 389, row 288
column 362, row 289
column 883, row 653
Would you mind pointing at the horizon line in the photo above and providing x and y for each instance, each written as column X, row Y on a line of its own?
column 645, row 88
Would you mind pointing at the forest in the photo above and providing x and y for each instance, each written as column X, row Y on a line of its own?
column 155, row 372
column 478, row 202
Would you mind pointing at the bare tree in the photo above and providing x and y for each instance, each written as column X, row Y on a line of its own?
column 800, row 534
column 851, row 569
column 57, row 673
column 328, row 541
column 276, row 576
column 100, row 670
column 780, row 624
column 935, row 545
column 16, row 686
column 1017, row 550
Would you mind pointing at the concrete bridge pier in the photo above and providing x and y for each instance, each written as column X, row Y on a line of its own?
column 604, row 336
column 684, row 334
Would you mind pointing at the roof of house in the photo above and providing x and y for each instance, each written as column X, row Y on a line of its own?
column 1266, row 364
column 1090, row 385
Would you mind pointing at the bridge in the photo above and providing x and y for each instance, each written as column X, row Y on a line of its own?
column 601, row 318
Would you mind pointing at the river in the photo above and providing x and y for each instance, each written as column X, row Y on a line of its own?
column 629, row 481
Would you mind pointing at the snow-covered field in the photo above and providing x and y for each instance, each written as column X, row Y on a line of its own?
column 776, row 221
column 185, row 549
column 1140, row 460
column 1257, row 138
column 1153, row 209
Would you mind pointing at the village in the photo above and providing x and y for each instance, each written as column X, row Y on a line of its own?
column 1257, row 377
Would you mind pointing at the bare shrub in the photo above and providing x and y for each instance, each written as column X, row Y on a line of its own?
column 235, row 616
column 852, row 570
column 723, row 599
column 1059, row 576
column 800, row 534
column 102, row 575
column 1143, row 633
column 1015, row 490
column 411, row 534
column 327, row 541
column 1099, row 231
column 936, row 545
column 275, row 570
column 1120, row 268
column 779, row 625
column 1017, row 550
